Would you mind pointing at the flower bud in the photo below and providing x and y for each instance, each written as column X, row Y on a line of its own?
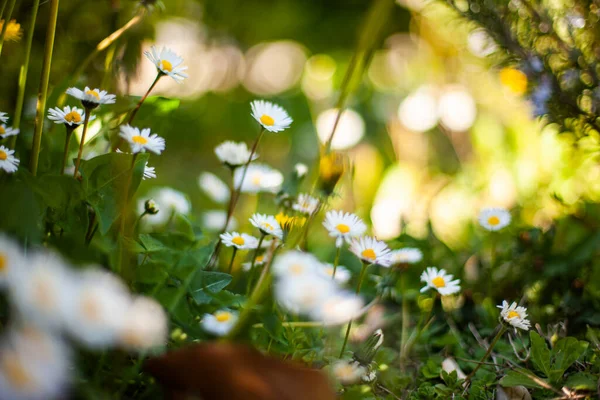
column 150, row 207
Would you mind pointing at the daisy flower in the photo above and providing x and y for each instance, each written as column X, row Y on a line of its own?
column 370, row 250
column 70, row 116
column 342, row 274
column 149, row 172
column 271, row 116
column 300, row 170
column 343, row 226
column 259, row 178
column 515, row 315
column 213, row 187
column 6, row 131
column 234, row 154
column 220, row 322
column 214, row 220
column 293, row 264
column 146, row 325
column 407, row 255
column 92, row 98
column 306, row 204
column 3, row 117
column 259, row 260
column 241, row 241
column 8, row 162
column 302, row 295
column 440, row 281
column 494, row 218
column 169, row 201
column 267, row 224
column 11, row 259
column 338, row 309
column 142, row 141
column 167, row 63
column 348, row 372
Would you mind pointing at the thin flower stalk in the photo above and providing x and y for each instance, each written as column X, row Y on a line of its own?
column 363, row 273
column 86, row 122
column 503, row 329
column 254, row 256
column 230, row 269
column 69, row 133
column 7, row 17
column 336, row 261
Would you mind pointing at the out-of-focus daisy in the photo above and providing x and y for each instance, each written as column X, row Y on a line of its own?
column 371, row 250
column 241, row 241
column 214, row 188
column 259, row 178
column 304, row 294
column 6, row 131
column 143, row 140
column 167, row 63
column 13, row 31
column 260, row 260
column 342, row 275
column 92, row 98
column 294, row 264
column 343, row 226
column 301, row 170
column 149, row 172
column 338, row 309
column 348, row 372
column 267, row 224
column 214, row 221
column 306, row 204
column 515, row 315
column 146, row 325
column 3, row 117
column 271, row 116
column 220, row 322
column 439, row 280
column 234, row 154
column 11, row 259
column 407, row 255
column 170, row 202
column 71, row 116
column 8, row 162
column 494, row 218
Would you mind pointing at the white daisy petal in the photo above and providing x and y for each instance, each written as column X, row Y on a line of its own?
column 70, row 116
column 92, row 98
column 348, row 372
column 271, row 116
column 515, row 315
column 295, row 264
column 306, row 204
column 220, row 322
column 8, row 162
column 407, row 255
column 143, row 140
column 149, row 172
column 234, row 154
column 167, row 63
column 440, row 281
column 343, row 226
column 6, row 131
column 267, row 224
column 259, row 178
column 371, row 250
column 240, row 241
column 3, row 117
column 215, row 188
column 494, row 219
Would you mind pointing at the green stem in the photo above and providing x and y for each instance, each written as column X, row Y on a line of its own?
column 43, row 92
column 492, row 263
column 66, row 151
column 6, row 18
column 487, row 353
column 254, row 256
column 86, row 122
column 360, row 281
column 230, row 269
column 295, row 324
column 405, row 320
column 336, row 261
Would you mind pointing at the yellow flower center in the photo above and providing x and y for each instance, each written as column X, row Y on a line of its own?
column 514, row 80
column 260, row 259
column 343, row 228
column 267, row 226
column 3, row 155
column 93, row 93
column 329, row 271
column 296, row 269
column 223, row 316
column 73, row 116
column 15, row 371
column 369, row 253
column 266, row 120
column 493, row 220
column 256, row 180
column 166, row 65
column 2, row 130
column 139, row 139
column 438, row 282
column 3, row 262
column 345, row 371
column 238, row 240
column 90, row 309
column 512, row 314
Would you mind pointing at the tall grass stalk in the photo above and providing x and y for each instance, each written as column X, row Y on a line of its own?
column 11, row 8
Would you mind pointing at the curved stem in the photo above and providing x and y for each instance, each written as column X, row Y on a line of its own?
column 487, row 353
column 360, row 281
column 230, row 269
column 66, row 151
column 86, row 122
column 336, row 261
column 43, row 92
column 254, row 256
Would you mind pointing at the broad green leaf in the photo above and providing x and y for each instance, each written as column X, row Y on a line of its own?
column 107, row 180
column 514, row 378
column 206, row 283
column 582, row 381
column 151, row 244
column 540, row 354
column 182, row 225
column 565, row 352
column 150, row 273
column 21, row 214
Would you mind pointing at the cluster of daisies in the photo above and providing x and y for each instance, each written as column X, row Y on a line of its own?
column 54, row 303
column 8, row 162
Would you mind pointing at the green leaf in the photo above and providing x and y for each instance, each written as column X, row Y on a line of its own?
column 582, row 381
column 150, row 273
column 565, row 352
column 520, row 377
column 107, row 180
column 21, row 213
column 150, row 243
column 540, row 354
column 207, row 283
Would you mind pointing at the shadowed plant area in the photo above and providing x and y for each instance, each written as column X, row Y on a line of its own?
column 299, row 199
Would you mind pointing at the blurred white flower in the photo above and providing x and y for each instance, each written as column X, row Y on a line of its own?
column 342, row 275
column 214, row 221
column 71, row 116
column 213, row 187
column 234, row 154
column 407, row 255
column 343, row 226
column 494, row 218
column 304, row 294
column 260, row 260
column 220, row 322
column 306, row 204
column 439, row 280
column 349, row 131
column 6, row 131
column 167, row 63
column 170, row 201
column 295, row 264
column 92, row 98
column 271, row 116
column 259, row 178
column 372, row 251
column 267, row 224
column 8, row 162
column 149, row 172
column 3, row 117
column 515, row 315
column 241, row 241
column 419, row 111
column 301, row 170
column 11, row 260
column 143, row 140
column 146, row 325
column 348, row 372
column 338, row 309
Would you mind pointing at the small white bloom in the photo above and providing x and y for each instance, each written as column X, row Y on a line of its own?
column 71, row 116
column 306, row 204
column 167, row 63
column 146, row 325
column 3, row 117
column 338, row 309
column 170, row 201
column 494, row 219
column 241, row 241
column 369, row 377
column 214, row 188
column 304, row 294
column 407, row 255
column 220, row 322
column 260, row 260
column 271, row 116
column 342, row 274
column 259, row 178
column 8, row 162
column 371, row 250
column 343, row 226
column 143, row 140
column 515, row 315
column 348, row 372
column 440, row 281
column 267, row 224
column 214, row 221
column 234, row 154
column 92, row 98
column 149, row 172
column 6, row 131
column 294, row 264
column 301, row 170
column 11, row 260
